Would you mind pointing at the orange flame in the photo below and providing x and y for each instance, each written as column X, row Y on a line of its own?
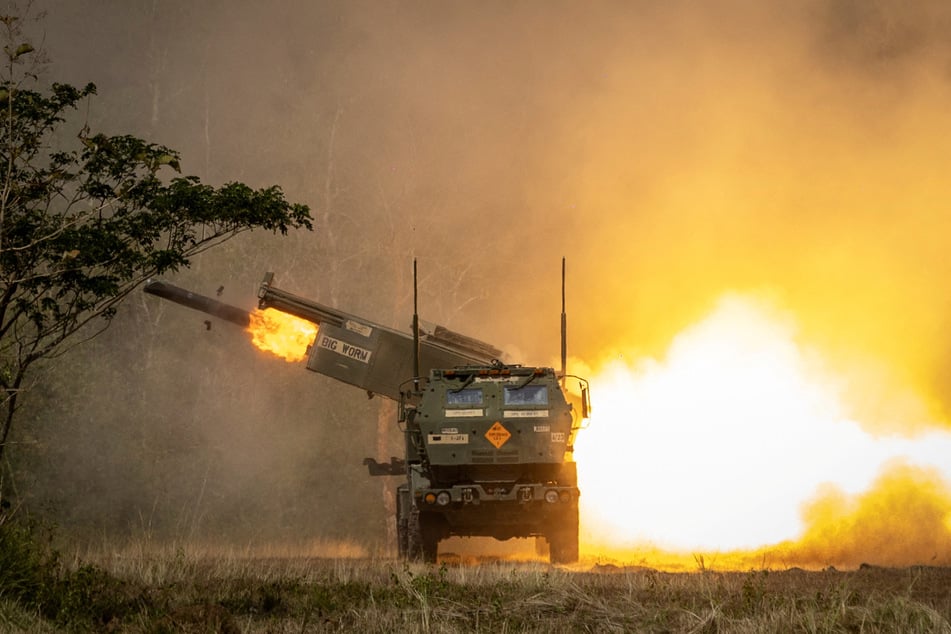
column 281, row 334
column 739, row 449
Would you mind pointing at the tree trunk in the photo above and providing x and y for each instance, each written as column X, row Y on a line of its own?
column 11, row 405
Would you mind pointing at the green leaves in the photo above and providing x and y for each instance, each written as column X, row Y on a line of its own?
column 86, row 223
column 14, row 54
column 82, row 226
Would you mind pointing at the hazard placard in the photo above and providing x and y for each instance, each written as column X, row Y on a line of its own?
column 497, row 435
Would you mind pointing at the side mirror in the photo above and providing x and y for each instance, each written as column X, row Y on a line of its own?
column 585, row 405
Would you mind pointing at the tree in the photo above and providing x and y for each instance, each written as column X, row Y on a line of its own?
column 84, row 222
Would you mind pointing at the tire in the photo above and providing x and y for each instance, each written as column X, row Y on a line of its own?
column 541, row 546
column 414, row 537
column 402, row 538
column 422, row 538
column 429, row 542
column 402, row 523
column 429, row 549
column 563, row 542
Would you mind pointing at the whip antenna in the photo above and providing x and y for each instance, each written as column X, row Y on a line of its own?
column 415, row 331
column 564, row 326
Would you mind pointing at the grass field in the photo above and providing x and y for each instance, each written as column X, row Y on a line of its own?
column 143, row 588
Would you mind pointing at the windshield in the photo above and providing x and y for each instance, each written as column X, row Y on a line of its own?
column 464, row 397
column 528, row 395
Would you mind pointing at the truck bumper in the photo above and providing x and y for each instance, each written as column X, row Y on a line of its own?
column 522, row 510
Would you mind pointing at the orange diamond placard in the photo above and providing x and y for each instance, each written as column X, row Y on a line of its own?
column 497, row 435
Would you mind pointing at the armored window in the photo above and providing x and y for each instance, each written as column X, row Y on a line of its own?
column 528, row 395
column 464, row 397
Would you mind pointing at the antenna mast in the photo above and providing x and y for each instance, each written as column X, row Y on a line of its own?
column 415, row 332
column 564, row 326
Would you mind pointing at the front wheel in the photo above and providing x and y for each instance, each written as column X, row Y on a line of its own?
column 403, row 519
column 541, row 547
column 563, row 541
column 430, row 545
column 422, row 538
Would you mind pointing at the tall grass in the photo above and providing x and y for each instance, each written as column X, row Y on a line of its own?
column 149, row 587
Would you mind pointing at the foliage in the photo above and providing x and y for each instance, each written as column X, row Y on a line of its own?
column 32, row 575
column 85, row 222
column 27, row 562
column 91, row 595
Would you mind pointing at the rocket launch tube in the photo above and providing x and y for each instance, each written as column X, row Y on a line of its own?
column 466, row 349
column 213, row 307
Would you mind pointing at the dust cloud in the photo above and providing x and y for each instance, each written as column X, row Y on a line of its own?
column 673, row 152
column 903, row 518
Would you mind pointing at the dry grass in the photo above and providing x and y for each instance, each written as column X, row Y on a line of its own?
column 176, row 589
column 150, row 588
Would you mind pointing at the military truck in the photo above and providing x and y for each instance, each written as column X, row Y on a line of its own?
column 488, row 453
column 488, row 445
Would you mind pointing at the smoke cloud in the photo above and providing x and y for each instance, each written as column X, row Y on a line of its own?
column 674, row 152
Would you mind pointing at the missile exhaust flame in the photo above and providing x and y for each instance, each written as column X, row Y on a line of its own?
column 281, row 334
column 741, row 443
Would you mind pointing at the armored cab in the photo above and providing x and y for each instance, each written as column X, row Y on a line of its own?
column 488, row 453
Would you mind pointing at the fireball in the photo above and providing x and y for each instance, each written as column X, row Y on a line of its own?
column 740, row 440
column 281, row 334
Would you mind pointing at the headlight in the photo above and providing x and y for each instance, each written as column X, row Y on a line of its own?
column 551, row 496
column 564, row 496
column 443, row 498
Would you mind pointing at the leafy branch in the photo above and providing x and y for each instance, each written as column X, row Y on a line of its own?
column 86, row 218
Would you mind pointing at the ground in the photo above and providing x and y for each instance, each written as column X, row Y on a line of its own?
column 180, row 590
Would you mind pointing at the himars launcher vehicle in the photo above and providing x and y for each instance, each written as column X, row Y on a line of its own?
column 488, row 445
